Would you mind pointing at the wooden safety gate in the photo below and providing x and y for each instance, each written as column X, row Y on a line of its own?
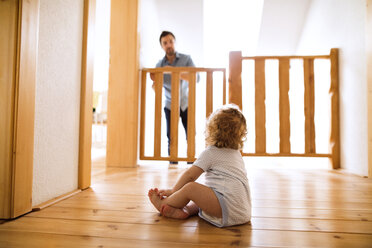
column 235, row 96
column 175, row 108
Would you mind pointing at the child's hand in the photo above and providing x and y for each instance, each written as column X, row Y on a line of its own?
column 165, row 192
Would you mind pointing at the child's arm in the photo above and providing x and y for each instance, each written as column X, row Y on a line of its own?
column 190, row 175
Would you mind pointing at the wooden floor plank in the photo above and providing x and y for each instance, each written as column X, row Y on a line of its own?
column 292, row 207
column 282, row 194
column 267, row 223
column 130, row 215
column 202, row 234
column 18, row 239
column 257, row 203
column 326, row 214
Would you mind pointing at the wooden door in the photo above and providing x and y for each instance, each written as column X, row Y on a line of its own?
column 18, row 45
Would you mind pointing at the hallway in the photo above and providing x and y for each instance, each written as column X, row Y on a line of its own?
column 292, row 207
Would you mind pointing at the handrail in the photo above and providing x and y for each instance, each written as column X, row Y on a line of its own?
column 288, row 57
column 183, row 69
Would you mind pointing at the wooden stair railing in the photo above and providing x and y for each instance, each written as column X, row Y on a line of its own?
column 175, row 75
column 235, row 96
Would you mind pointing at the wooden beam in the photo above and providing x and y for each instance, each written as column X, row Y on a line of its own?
column 209, row 94
column 175, row 115
column 309, row 100
column 191, row 117
column 284, row 125
column 334, row 147
column 86, row 95
column 224, row 88
column 260, row 108
column 122, row 107
column 158, row 110
column 143, row 114
column 235, row 78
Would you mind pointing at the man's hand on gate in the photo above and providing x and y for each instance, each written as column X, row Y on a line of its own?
column 185, row 76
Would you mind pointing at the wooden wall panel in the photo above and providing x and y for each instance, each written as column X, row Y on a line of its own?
column 122, row 112
column 8, row 41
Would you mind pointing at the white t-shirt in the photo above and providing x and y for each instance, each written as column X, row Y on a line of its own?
column 226, row 174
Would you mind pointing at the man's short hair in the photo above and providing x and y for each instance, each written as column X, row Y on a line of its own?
column 165, row 33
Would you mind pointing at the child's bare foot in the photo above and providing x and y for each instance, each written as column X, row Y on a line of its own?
column 175, row 213
column 154, row 198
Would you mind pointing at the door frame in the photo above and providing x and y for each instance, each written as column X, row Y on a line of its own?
column 86, row 96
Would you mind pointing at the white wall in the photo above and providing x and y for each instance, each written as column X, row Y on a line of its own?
column 102, row 46
column 57, row 105
column 281, row 26
column 184, row 18
column 341, row 24
column 230, row 25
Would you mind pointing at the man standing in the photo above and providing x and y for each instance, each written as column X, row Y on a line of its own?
column 173, row 58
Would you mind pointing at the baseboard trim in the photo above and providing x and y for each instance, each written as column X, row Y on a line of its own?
column 55, row 200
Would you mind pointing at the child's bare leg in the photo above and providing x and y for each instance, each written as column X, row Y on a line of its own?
column 165, row 209
column 175, row 213
column 192, row 208
column 203, row 196
column 189, row 210
column 155, row 199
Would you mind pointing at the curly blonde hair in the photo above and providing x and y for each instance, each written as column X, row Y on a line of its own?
column 226, row 128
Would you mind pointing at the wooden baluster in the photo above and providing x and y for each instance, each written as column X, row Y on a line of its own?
column 143, row 114
column 334, row 147
column 309, row 106
column 175, row 115
column 209, row 93
column 235, row 78
column 158, row 104
column 224, row 88
column 260, row 110
column 191, row 117
column 285, row 145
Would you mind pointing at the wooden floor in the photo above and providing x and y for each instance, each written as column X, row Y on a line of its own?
column 291, row 208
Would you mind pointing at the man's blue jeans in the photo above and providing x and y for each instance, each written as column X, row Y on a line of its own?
column 183, row 115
